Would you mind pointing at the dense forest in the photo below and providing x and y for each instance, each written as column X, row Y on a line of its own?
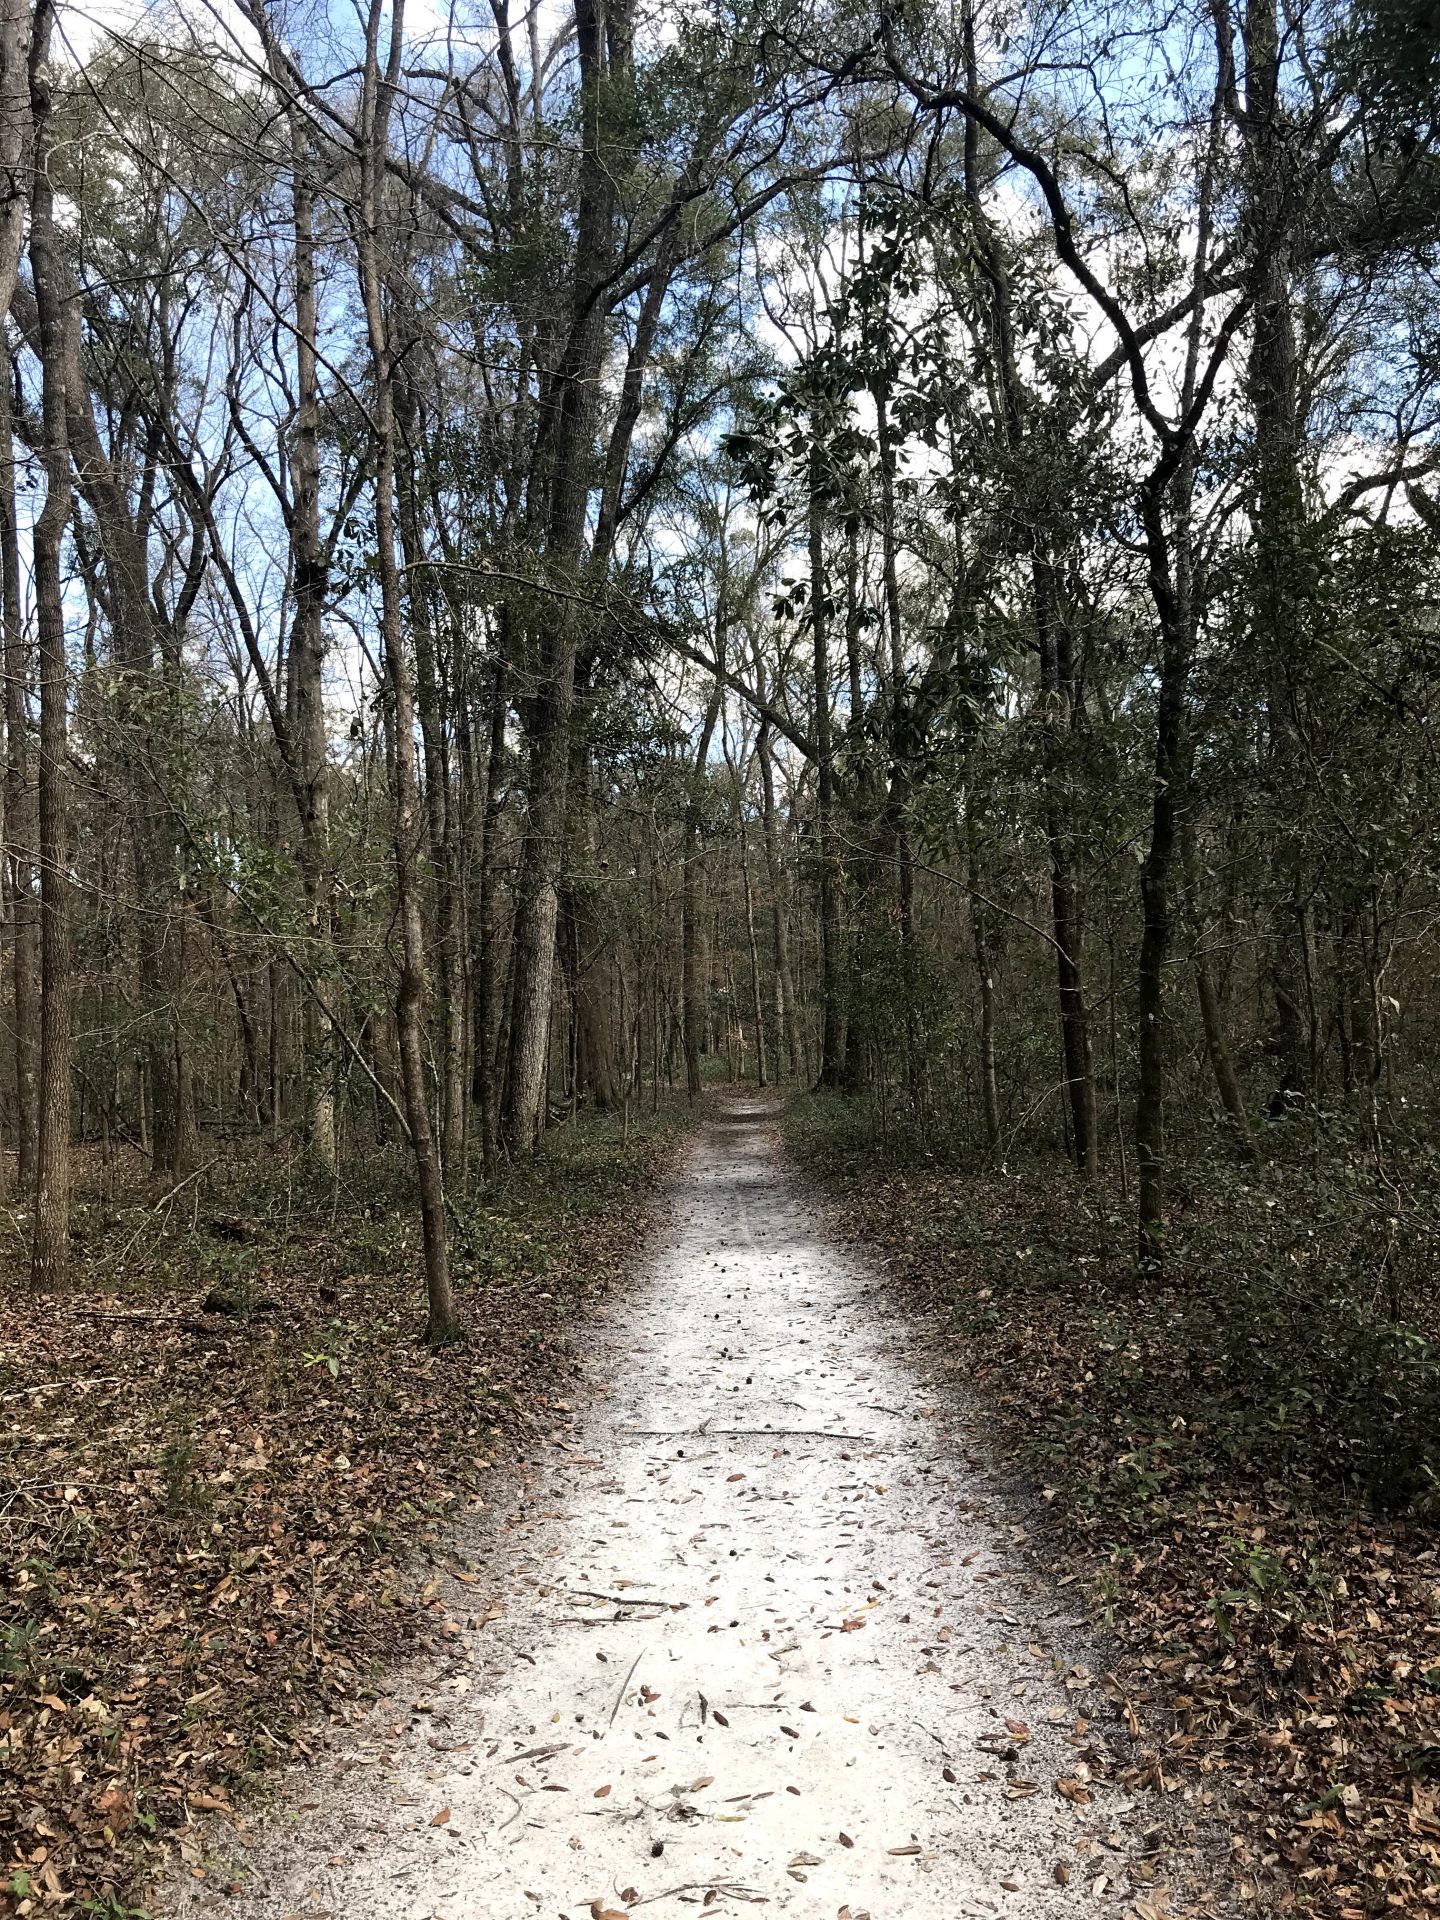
column 555, row 558
column 896, row 552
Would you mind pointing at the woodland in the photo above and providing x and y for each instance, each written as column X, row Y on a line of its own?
column 554, row 559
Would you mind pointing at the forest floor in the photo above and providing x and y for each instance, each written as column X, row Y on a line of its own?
column 1240, row 1463
column 890, row 1553
column 228, row 1468
column 755, row 1625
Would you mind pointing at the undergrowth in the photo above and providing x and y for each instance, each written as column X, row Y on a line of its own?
column 1244, row 1455
column 226, row 1459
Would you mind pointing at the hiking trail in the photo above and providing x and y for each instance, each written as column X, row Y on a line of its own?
column 758, row 1633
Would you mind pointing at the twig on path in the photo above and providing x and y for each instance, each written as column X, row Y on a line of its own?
column 742, row 1433
column 602, row 1619
column 515, row 1815
column 625, row 1687
column 734, row 1887
column 589, row 1593
column 784, row 1433
column 532, row 1753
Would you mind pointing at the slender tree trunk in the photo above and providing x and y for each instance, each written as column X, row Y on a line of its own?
column 694, row 977
column 985, row 974
column 484, row 1090
column 1278, row 519
column 20, row 824
column 565, row 455
column 1056, row 681
column 441, row 800
column 311, row 774
column 1056, row 695
column 1155, row 908
column 1212, row 1018
column 832, row 1054
column 50, row 1257
column 147, row 710
column 1174, row 593
column 783, row 1029
column 17, row 130
column 897, row 799
column 866, row 812
column 442, row 1323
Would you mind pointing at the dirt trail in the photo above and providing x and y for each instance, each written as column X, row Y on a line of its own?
column 765, row 1637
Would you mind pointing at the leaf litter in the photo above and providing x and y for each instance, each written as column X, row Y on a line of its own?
column 1277, row 1639
column 224, row 1490
column 761, row 1757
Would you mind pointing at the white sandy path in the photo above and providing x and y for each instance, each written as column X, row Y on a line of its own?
column 762, row 1631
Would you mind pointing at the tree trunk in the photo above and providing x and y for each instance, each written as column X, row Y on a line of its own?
column 442, row 1322
column 832, row 1046
column 485, row 934
column 146, row 711
column 17, row 131
column 564, row 457
column 784, row 1028
column 897, row 799
column 694, row 979
column 985, row 974
column 20, row 826
column 1167, row 799
column 1057, row 697
column 311, row 771
column 1056, row 681
column 1278, row 519
column 1212, row 1019
column 50, row 1256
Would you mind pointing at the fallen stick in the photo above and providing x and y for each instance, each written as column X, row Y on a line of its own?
column 625, row 1686
column 126, row 1313
column 54, row 1386
column 744, row 1433
column 732, row 1887
column 589, row 1593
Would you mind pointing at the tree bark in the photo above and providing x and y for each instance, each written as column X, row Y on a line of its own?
column 1056, row 679
column 50, row 1253
column 832, row 1045
column 442, row 1322
column 564, row 456
column 785, row 1026
column 985, row 975
column 311, row 773
column 1279, row 514
column 1217, row 1047
column 20, row 825
column 1057, row 707
column 484, row 1089
column 694, row 980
